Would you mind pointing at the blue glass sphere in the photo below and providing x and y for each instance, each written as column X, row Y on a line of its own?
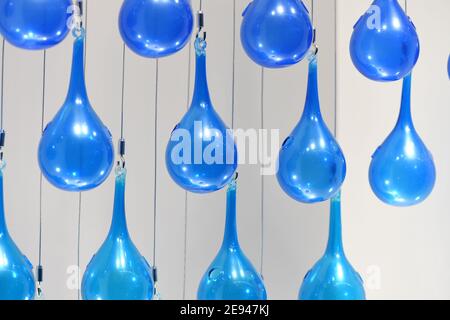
column 276, row 33
column 34, row 24
column 156, row 28
column 384, row 44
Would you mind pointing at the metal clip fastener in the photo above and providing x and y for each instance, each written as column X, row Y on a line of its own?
column 155, row 274
column 201, row 25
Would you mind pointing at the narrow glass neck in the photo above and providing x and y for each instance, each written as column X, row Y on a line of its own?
column 77, row 88
column 405, row 118
column 119, row 223
column 201, row 96
column 231, row 238
column 335, row 245
column 312, row 105
column 3, row 228
column 386, row 2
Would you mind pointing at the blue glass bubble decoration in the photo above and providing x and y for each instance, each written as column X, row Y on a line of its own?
column 276, row 33
column 333, row 277
column 118, row 271
column 311, row 164
column 402, row 172
column 384, row 45
column 201, row 155
column 231, row 276
column 34, row 24
column 156, row 28
column 76, row 151
column 16, row 272
column 448, row 67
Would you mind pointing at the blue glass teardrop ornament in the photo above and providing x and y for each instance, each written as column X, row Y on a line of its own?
column 34, row 24
column 333, row 277
column 384, row 45
column 118, row 271
column 201, row 155
column 231, row 276
column 155, row 28
column 276, row 33
column 402, row 171
column 16, row 272
column 76, row 151
column 311, row 165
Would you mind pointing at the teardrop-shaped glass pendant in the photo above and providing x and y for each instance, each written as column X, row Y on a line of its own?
column 384, row 45
column 276, row 33
column 118, row 271
column 402, row 171
column 76, row 151
column 311, row 165
column 333, row 277
column 16, row 272
column 34, row 24
column 155, row 28
column 231, row 276
column 201, row 155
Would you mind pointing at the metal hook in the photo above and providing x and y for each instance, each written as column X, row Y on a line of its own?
column 121, row 149
column 2, row 143
column 201, row 25
column 315, row 48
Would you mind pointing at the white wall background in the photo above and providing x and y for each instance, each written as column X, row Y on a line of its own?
column 402, row 253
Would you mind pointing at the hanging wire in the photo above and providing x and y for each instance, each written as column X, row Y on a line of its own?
column 155, row 172
column 188, row 100
column 121, row 145
column 123, row 91
column 406, row 6
column 2, row 131
column 1, row 89
column 40, row 269
column 262, row 175
column 312, row 12
column 84, row 19
column 233, row 73
column 335, row 72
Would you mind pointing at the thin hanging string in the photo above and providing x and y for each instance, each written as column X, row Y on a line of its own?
column 188, row 95
column 3, row 79
column 155, row 163
column 406, row 6
column 201, row 5
column 262, row 175
column 312, row 12
column 335, row 73
column 123, row 93
column 40, row 269
column 233, row 73
column 84, row 17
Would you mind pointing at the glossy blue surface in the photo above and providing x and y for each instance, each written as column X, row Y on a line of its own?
column 231, row 276
column 384, row 45
column 156, row 28
column 16, row 271
column 402, row 171
column 34, row 24
column 76, row 151
column 276, row 33
column 201, row 155
column 311, row 164
column 118, row 271
column 333, row 277
column 448, row 67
